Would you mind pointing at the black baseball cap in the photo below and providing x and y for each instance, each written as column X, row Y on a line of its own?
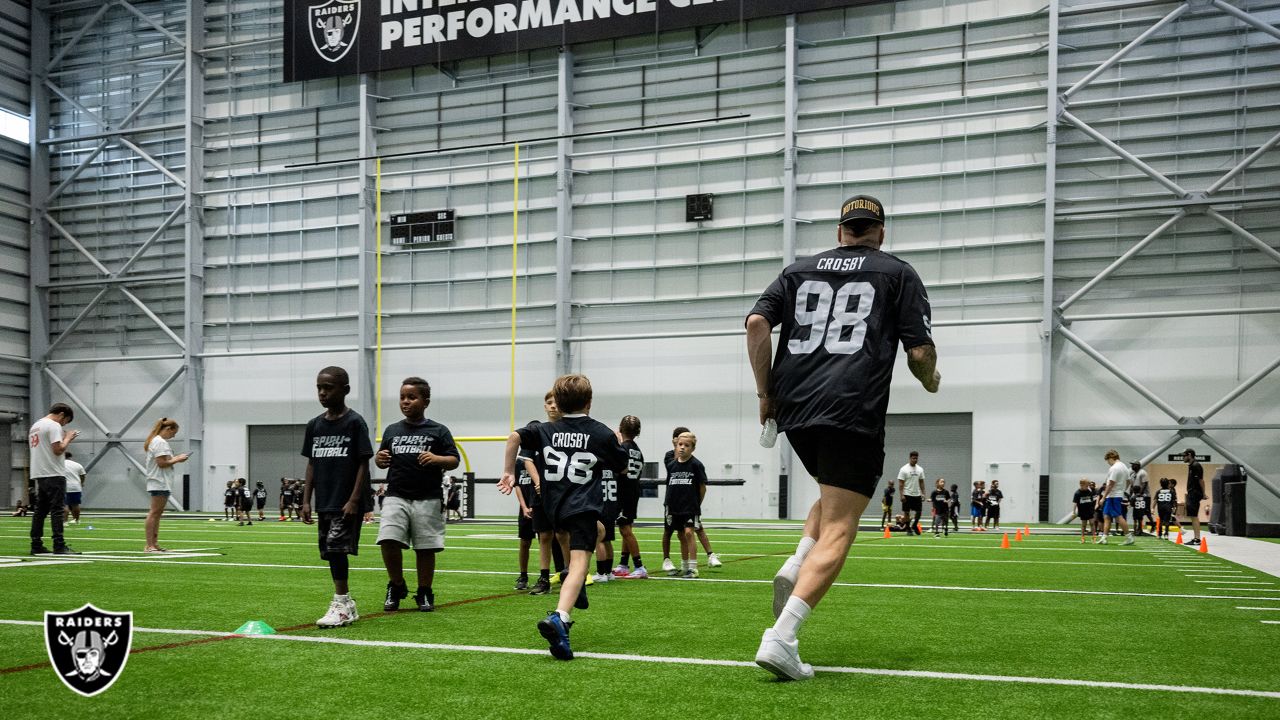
column 861, row 207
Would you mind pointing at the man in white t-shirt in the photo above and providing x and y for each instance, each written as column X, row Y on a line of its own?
column 1113, row 490
column 75, row 486
column 49, row 473
column 911, row 490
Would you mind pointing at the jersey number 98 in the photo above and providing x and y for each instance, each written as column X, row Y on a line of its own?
column 576, row 467
column 828, row 320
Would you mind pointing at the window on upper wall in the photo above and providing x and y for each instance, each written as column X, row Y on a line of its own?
column 14, row 126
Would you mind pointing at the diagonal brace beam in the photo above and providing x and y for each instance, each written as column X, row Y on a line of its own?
column 1133, row 45
column 84, row 407
column 1244, row 234
column 1261, row 479
column 75, row 39
column 1177, row 437
column 122, row 140
column 1244, row 164
column 1129, row 157
column 1126, row 257
column 84, row 313
column 153, row 317
column 164, row 225
column 1241, row 389
column 76, row 244
column 151, row 21
column 1247, row 19
column 152, row 400
column 1124, row 377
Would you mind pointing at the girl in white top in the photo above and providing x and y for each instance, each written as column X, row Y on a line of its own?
column 160, row 474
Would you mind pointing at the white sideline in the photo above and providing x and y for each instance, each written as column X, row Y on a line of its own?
column 663, row 660
column 1236, row 582
column 1238, row 607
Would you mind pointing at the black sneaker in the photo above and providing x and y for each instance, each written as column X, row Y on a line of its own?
column 426, row 601
column 542, row 587
column 64, row 550
column 41, row 550
column 395, row 593
column 522, row 583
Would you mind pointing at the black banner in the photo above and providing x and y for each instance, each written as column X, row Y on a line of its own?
column 329, row 38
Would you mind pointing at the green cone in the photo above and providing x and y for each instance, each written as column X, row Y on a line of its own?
column 256, row 627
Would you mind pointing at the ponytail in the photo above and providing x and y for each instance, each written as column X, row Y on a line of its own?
column 161, row 424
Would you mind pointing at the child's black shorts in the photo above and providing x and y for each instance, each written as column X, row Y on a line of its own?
column 840, row 458
column 1086, row 514
column 262, row 503
column 524, row 527
column 339, row 534
column 582, row 530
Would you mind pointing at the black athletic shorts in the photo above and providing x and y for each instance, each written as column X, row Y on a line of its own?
column 678, row 522
column 262, row 503
column 1193, row 506
column 840, row 458
column 1086, row 514
column 582, row 530
column 912, row 503
column 339, row 534
column 541, row 521
column 1166, row 514
column 630, row 508
column 609, row 535
column 993, row 512
column 524, row 527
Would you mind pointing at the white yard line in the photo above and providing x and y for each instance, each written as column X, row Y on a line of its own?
column 1236, row 582
column 1275, row 609
column 665, row 660
column 1240, row 589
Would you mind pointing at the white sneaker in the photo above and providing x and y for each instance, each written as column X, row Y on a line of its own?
column 1102, row 540
column 713, row 560
column 601, row 577
column 782, row 658
column 1128, row 539
column 784, row 583
column 668, row 567
column 340, row 614
column 638, row 574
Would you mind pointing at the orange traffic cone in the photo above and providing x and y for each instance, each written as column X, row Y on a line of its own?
column 1018, row 537
column 1204, row 545
column 918, row 528
column 1157, row 527
column 1004, row 544
column 1179, row 539
column 1026, row 531
column 886, row 532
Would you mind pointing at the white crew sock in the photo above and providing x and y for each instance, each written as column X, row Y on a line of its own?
column 802, row 550
column 564, row 615
column 341, row 598
column 792, row 617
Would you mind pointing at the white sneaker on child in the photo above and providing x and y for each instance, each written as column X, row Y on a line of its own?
column 668, row 567
column 713, row 560
column 340, row 614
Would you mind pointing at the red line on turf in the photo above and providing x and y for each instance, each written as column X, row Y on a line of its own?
column 292, row 628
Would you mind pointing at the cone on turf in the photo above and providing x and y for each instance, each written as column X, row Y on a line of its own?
column 886, row 532
column 1004, row 544
column 1157, row 527
column 1026, row 531
column 1018, row 537
column 1179, row 540
column 1204, row 545
column 255, row 627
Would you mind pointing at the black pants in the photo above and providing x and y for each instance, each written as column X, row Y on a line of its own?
column 50, row 499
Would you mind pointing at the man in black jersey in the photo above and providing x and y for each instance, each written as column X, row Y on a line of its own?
column 629, row 496
column 1195, row 493
column 843, row 313
column 575, row 452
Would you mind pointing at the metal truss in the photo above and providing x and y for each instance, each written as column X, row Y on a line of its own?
column 188, row 339
column 1188, row 203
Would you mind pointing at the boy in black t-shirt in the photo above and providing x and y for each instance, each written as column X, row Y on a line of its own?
column 954, row 506
column 1166, row 504
column 1085, row 502
column 977, row 507
column 243, row 501
column 229, row 500
column 575, row 452
column 886, row 504
column 337, row 449
column 941, row 507
column 994, row 498
column 629, row 496
column 260, row 499
column 686, row 486
column 667, row 566
column 286, row 500
column 1140, row 502
column 415, row 452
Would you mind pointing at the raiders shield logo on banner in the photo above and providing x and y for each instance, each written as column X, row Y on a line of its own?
column 88, row 647
column 333, row 25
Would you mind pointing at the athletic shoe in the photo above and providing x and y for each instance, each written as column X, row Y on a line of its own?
column 41, row 550
column 555, row 579
column 1128, row 540
column 638, row 574
column 154, row 550
column 784, row 583
column 339, row 615
column 589, row 580
column 690, row 574
column 249, row 523
column 522, row 583
column 713, row 560
column 426, row 601
column 73, row 522
column 240, row 524
column 542, row 587
column 601, row 578
column 1102, row 540
column 620, row 571
column 64, row 550
column 395, row 593
column 782, row 658
column 669, row 567
column 556, row 631
column 281, row 518
column 936, row 536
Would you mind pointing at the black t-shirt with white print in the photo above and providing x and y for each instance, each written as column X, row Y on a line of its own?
column 1084, row 500
column 406, row 478
column 994, row 497
column 629, row 486
column 336, row 449
column 229, row 497
column 941, row 501
column 684, row 483
column 843, row 313
column 1165, row 498
column 574, row 453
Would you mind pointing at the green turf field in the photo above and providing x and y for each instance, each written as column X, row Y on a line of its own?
column 1153, row 615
